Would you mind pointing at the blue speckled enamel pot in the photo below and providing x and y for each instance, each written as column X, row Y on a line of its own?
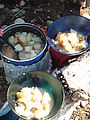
column 24, row 27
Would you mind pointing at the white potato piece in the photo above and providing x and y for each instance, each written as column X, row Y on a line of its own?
column 85, row 44
column 19, row 110
column 23, row 100
column 31, row 54
column 72, row 38
column 68, row 47
column 28, row 114
column 24, row 34
column 37, row 94
column 46, row 97
column 73, row 31
column 18, row 47
column 48, row 108
column 81, row 45
column 63, row 40
column 12, row 40
column 22, row 38
column 27, row 92
column 37, row 105
column 37, row 51
column 29, row 37
column 39, row 113
column 30, row 105
column 20, row 95
column 22, row 55
column 22, row 112
column 37, row 46
column 27, row 55
column 86, row 15
column 28, row 48
column 36, row 39
column 31, row 43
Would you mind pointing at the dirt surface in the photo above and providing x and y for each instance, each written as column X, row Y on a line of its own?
column 82, row 113
column 50, row 10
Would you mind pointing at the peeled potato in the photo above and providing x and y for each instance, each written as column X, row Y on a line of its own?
column 29, row 37
column 18, row 47
column 21, row 95
column 37, row 46
column 28, row 48
column 12, row 40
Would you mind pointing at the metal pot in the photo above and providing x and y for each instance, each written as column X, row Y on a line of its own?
column 42, row 80
column 64, row 24
column 25, row 27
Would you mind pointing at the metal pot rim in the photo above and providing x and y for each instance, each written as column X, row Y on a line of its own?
column 25, row 24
